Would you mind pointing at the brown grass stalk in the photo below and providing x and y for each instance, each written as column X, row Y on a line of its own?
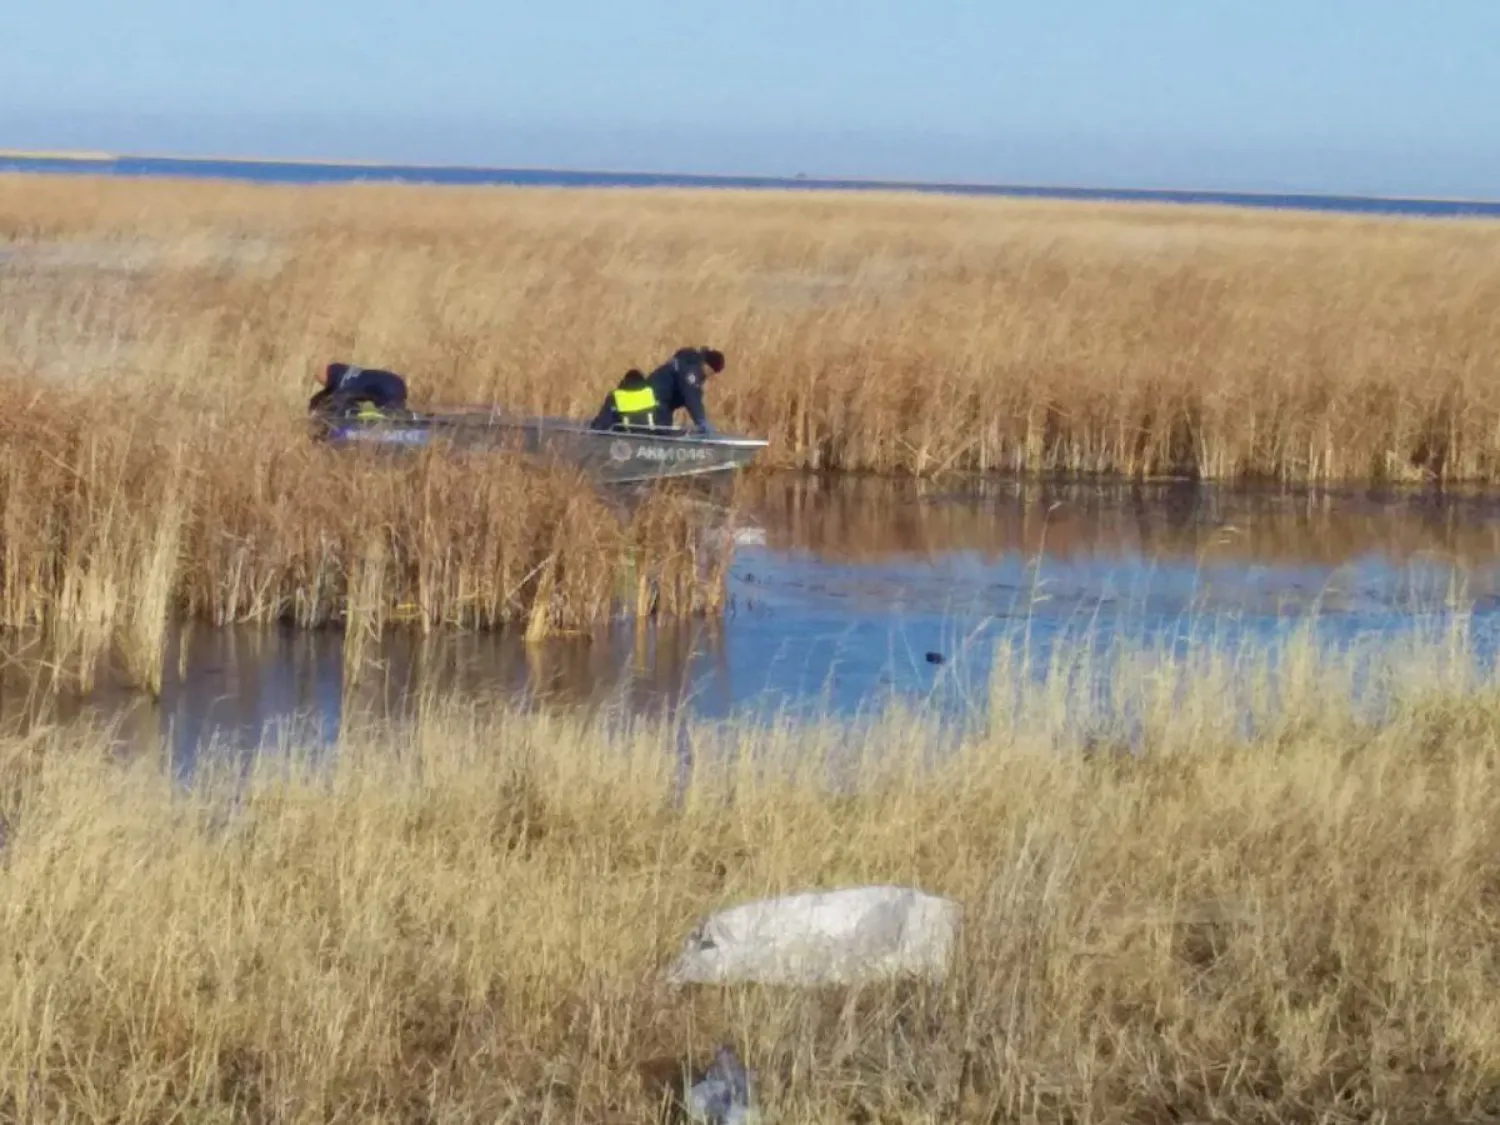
column 465, row 918
column 883, row 332
column 363, row 614
column 152, row 584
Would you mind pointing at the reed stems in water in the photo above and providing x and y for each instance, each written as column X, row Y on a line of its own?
column 112, row 531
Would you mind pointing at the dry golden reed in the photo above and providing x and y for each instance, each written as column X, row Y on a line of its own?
column 875, row 332
column 116, row 522
column 465, row 918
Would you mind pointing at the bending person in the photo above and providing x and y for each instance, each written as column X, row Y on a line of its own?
column 346, row 385
column 651, row 401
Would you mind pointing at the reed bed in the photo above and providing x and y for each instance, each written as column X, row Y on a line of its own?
column 466, row 917
column 911, row 335
column 118, row 519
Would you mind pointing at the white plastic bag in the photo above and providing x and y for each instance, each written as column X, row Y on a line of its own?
column 823, row 937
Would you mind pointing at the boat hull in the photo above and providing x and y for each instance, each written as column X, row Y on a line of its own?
column 610, row 456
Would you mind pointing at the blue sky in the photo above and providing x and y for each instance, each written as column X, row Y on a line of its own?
column 1378, row 96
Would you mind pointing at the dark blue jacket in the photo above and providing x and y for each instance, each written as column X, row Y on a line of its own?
column 677, row 384
column 345, row 384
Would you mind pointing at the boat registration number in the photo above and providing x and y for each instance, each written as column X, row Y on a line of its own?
column 623, row 451
column 399, row 437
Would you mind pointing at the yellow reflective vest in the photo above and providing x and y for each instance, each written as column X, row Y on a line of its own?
column 634, row 406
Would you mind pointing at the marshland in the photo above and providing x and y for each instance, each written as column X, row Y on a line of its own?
column 882, row 333
column 159, row 340
column 1135, row 562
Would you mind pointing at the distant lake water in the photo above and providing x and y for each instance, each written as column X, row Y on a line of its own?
column 286, row 172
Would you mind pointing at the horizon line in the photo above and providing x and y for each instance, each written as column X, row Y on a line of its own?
column 99, row 156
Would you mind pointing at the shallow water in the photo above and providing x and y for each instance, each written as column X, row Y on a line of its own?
column 847, row 594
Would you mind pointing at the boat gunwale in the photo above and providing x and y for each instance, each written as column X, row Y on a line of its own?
column 481, row 417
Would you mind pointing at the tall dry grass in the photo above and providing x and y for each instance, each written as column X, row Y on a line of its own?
column 878, row 332
column 114, row 523
column 466, row 918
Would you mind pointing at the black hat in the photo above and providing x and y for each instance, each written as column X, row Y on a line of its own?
column 714, row 358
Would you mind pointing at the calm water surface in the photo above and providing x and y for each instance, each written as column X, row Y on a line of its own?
column 846, row 595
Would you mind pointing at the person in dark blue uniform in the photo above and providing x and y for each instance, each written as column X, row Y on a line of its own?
column 367, row 389
column 650, row 401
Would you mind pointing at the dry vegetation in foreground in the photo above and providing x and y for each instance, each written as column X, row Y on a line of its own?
column 908, row 334
column 113, row 524
column 465, row 919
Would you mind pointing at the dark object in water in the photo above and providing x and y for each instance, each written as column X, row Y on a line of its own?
column 936, row 658
column 610, row 456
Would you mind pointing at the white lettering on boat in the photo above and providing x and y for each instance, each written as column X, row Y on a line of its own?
column 400, row 437
column 660, row 453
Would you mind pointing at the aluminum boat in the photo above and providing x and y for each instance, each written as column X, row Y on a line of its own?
column 610, row 456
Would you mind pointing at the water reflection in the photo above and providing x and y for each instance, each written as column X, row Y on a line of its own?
column 872, row 520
